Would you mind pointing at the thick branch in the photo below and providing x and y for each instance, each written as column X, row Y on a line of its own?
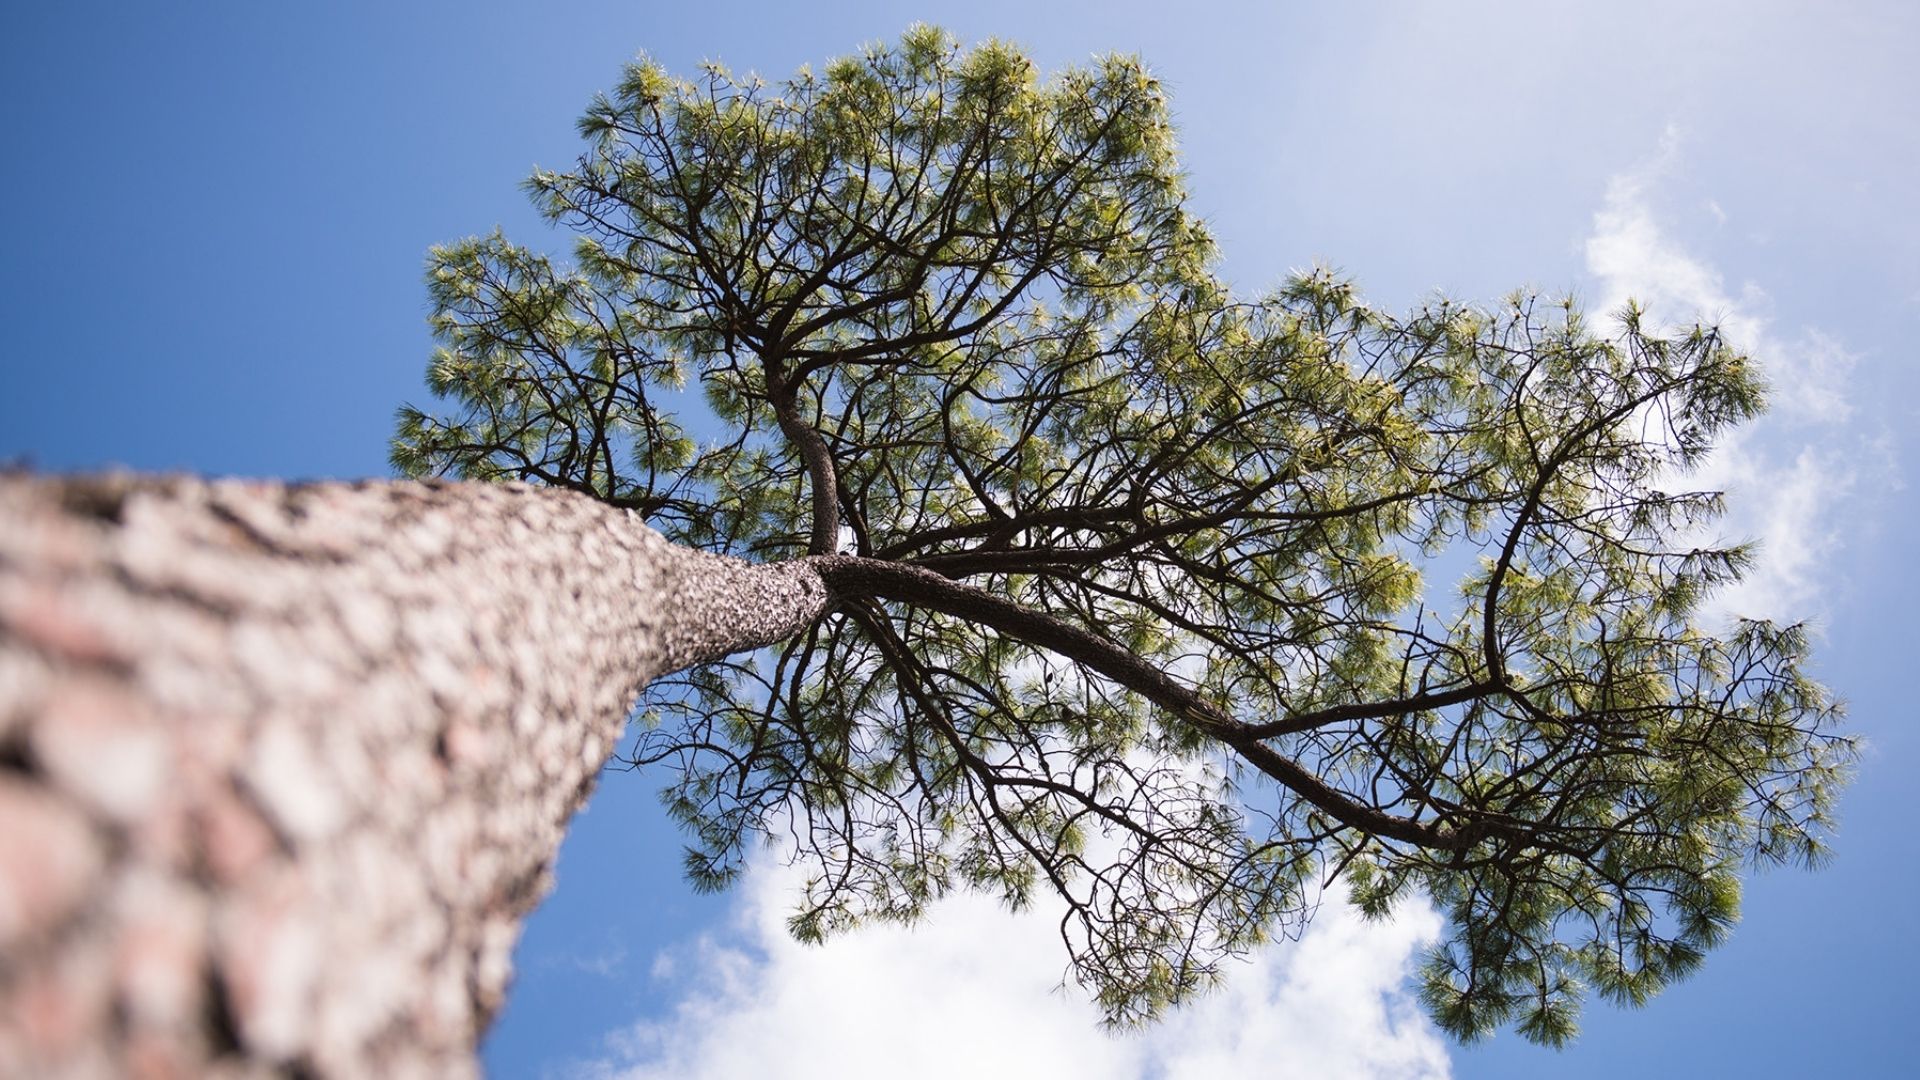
column 852, row 577
column 822, row 477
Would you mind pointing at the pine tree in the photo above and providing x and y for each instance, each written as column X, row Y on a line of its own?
column 1132, row 607
column 1005, row 548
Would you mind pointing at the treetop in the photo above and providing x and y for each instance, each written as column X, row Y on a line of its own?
column 1132, row 576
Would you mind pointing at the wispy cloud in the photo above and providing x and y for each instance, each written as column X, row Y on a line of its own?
column 975, row 989
column 607, row 959
column 1793, row 477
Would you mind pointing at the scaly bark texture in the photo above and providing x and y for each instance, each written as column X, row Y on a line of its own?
column 283, row 767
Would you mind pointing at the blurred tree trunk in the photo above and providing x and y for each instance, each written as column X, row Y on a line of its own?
column 282, row 767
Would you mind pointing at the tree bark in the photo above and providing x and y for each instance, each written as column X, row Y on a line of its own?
column 282, row 767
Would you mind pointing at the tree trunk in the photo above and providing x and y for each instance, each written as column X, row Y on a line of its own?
column 282, row 768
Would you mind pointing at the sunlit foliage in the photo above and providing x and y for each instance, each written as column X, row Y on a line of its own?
column 1422, row 593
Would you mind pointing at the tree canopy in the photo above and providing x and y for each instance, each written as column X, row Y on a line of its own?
column 1130, row 574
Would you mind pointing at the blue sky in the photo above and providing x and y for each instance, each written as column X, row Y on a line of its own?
column 215, row 218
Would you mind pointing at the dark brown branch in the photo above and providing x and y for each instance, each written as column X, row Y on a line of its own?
column 848, row 577
column 822, row 478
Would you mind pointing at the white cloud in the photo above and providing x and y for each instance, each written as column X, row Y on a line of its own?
column 1792, row 477
column 975, row 990
column 1333, row 1004
column 1631, row 255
